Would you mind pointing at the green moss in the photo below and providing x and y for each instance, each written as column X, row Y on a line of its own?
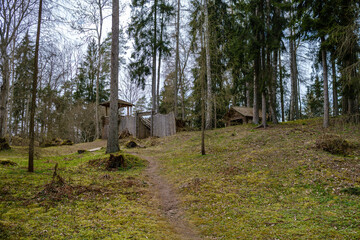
column 100, row 205
column 259, row 184
column 252, row 184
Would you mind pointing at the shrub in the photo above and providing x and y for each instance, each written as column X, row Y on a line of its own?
column 333, row 144
column 67, row 142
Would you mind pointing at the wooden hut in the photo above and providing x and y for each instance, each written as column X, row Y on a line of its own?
column 105, row 119
column 239, row 115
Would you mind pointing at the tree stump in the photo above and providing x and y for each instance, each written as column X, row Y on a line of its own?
column 131, row 144
column 115, row 162
column 4, row 145
column 124, row 134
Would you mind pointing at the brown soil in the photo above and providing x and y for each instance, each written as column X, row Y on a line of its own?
column 168, row 200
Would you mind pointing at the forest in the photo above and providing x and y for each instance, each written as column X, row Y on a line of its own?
column 292, row 59
column 292, row 172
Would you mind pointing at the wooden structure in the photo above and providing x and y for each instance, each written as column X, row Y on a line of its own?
column 121, row 104
column 105, row 119
column 239, row 115
column 163, row 124
column 140, row 124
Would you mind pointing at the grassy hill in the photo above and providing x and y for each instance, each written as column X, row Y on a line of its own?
column 274, row 183
column 269, row 183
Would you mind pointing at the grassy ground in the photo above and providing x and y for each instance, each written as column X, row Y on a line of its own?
column 92, row 204
column 266, row 184
column 251, row 184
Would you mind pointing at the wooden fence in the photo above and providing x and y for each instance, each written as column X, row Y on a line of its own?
column 140, row 124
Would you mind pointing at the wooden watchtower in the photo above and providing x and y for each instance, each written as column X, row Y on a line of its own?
column 105, row 119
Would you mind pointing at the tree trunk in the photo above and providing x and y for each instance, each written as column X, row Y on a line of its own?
column 12, row 89
column 208, row 69
column 215, row 120
column 182, row 81
column 294, row 92
column 281, row 90
column 153, row 84
column 334, row 85
column 27, row 117
column 255, row 104
column 99, row 33
column 202, row 84
column 263, row 109
column 271, row 72
column 159, row 67
column 33, row 98
column 248, row 102
column 158, row 83
column 113, row 134
column 326, row 91
column 257, row 63
column 293, row 75
column 299, row 112
column 97, row 101
column 177, row 60
column 4, row 93
column 182, row 98
column 273, row 89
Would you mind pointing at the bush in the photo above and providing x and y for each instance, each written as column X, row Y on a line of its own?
column 19, row 141
column 56, row 142
column 67, row 142
column 333, row 144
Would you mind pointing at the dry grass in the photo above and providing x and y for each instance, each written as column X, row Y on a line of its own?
column 269, row 183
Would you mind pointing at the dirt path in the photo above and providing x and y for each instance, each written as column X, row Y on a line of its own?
column 169, row 202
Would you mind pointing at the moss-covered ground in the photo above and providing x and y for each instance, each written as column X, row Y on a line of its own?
column 252, row 184
column 92, row 204
column 266, row 183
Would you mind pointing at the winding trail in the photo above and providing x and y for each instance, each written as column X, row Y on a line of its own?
column 169, row 202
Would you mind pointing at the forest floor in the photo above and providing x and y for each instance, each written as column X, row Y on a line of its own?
column 272, row 183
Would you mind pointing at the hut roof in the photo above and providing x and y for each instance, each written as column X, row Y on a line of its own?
column 245, row 111
column 121, row 103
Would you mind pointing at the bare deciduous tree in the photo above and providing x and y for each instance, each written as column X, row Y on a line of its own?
column 177, row 60
column 91, row 14
column 33, row 98
column 12, row 14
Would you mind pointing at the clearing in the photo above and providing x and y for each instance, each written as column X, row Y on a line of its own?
column 274, row 183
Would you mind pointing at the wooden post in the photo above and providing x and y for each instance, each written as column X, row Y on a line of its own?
column 127, row 108
column 152, row 124
column 106, row 111
column 137, row 124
